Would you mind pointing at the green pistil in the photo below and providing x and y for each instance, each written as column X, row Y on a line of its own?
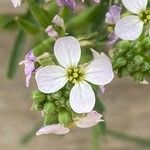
column 145, row 16
column 75, row 74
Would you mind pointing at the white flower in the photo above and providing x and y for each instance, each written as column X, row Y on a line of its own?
column 16, row 3
column 92, row 119
column 131, row 27
column 52, row 78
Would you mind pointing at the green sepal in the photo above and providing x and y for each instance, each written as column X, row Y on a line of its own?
column 38, row 96
column 43, row 47
column 49, row 107
column 27, row 26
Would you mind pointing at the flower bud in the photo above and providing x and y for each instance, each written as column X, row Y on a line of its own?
column 124, row 72
column 56, row 95
column 49, row 119
column 123, row 47
column 136, row 47
column 64, row 117
column 119, row 62
column 38, row 96
column 129, row 55
column 138, row 59
column 145, row 66
column 37, row 106
column 49, row 107
column 146, row 43
column 137, row 76
column 49, row 97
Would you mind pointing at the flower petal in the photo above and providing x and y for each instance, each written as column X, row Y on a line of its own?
column 129, row 28
column 99, row 71
column 58, row 21
column 67, row 51
column 55, row 129
column 135, row 6
column 16, row 3
column 92, row 119
column 82, row 98
column 50, row 78
column 70, row 3
column 113, row 15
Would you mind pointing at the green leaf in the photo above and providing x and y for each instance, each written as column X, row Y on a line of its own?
column 16, row 53
column 39, row 13
column 27, row 26
column 43, row 47
column 7, row 22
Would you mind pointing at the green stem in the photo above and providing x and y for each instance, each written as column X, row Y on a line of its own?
column 129, row 138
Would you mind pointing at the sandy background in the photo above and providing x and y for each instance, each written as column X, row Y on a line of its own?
column 127, row 109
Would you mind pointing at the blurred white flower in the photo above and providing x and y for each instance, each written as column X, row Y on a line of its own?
column 16, row 3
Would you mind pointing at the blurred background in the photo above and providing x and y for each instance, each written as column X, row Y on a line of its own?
column 127, row 109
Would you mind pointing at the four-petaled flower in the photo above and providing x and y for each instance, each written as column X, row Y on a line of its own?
column 16, row 3
column 29, row 66
column 52, row 78
column 92, row 118
column 131, row 27
column 112, row 16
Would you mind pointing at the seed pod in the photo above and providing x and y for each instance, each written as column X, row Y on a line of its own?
column 64, row 117
column 38, row 96
column 138, row 59
column 49, row 107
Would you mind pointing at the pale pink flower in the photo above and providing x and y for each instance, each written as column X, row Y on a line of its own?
column 58, row 21
column 92, row 119
column 29, row 66
column 70, row 3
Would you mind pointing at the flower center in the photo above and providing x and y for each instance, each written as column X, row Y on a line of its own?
column 145, row 16
column 75, row 74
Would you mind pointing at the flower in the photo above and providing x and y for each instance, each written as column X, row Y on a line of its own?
column 29, row 66
column 112, row 16
column 131, row 27
column 70, row 3
column 52, row 78
column 90, row 120
column 51, row 32
column 16, row 3
column 58, row 21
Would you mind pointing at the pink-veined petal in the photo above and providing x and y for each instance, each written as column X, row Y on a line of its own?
column 129, row 28
column 82, row 98
column 135, row 6
column 50, row 78
column 92, row 119
column 99, row 71
column 54, row 128
column 67, row 51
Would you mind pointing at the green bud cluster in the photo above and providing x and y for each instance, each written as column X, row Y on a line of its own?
column 55, row 107
column 132, row 59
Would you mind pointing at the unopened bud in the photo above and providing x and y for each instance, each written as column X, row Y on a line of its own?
column 37, row 106
column 146, row 43
column 145, row 66
column 137, row 76
column 123, row 47
column 49, row 107
column 138, row 59
column 38, row 96
column 136, row 47
column 49, row 119
column 119, row 62
column 64, row 117
column 56, row 95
